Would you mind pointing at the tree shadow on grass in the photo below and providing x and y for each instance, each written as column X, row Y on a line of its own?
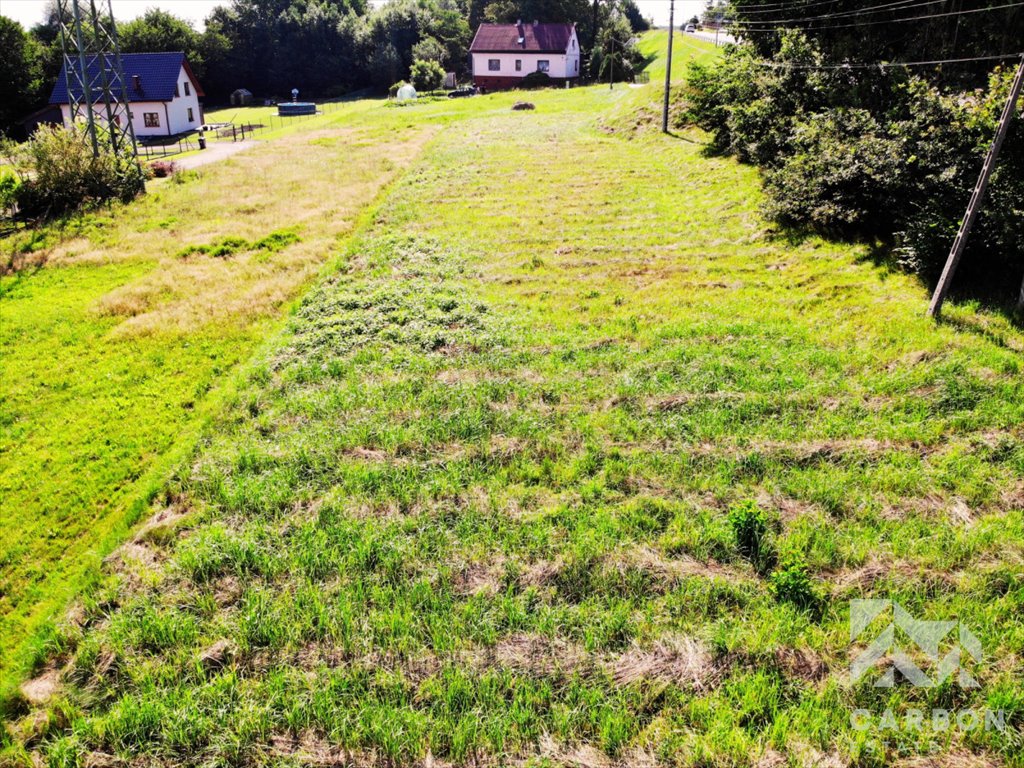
column 973, row 282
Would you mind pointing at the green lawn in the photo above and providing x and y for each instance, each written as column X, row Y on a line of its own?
column 565, row 457
column 114, row 350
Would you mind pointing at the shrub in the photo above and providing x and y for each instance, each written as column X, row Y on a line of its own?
column 162, row 168
column 536, row 80
column 63, row 175
column 9, row 184
column 792, row 584
column 882, row 154
column 426, row 75
column 843, row 175
column 753, row 535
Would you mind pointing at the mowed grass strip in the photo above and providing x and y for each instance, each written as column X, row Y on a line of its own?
column 114, row 334
column 567, row 460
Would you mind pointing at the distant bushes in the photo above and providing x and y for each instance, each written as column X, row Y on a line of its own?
column 867, row 152
column 57, row 173
column 535, row 80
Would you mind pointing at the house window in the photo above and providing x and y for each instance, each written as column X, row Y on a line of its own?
column 151, row 119
column 190, row 118
column 519, row 65
column 177, row 93
column 576, row 66
column 543, row 65
column 494, row 65
column 188, row 90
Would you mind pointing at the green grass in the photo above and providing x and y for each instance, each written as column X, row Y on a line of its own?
column 120, row 327
column 565, row 457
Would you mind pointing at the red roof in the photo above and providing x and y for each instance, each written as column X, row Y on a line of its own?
column 512, row 38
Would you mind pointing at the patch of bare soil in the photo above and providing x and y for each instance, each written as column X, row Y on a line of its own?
column 801, row 663
column 479, row 578
column 41, row 689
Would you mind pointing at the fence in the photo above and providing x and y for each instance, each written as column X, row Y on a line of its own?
column 151, row 151
column 270, row 123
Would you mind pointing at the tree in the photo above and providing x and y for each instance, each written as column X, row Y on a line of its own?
column 615, row 54
column 20, row 73
column 427, row 75
column 429, row 49
column 158, row 31
column 636, row 20
column 385, row 65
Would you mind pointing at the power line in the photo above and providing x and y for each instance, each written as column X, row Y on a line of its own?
column 888, row 64
column 768, row 26
column 900, row 5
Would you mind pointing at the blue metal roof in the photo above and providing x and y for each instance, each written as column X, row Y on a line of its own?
column 157, row 75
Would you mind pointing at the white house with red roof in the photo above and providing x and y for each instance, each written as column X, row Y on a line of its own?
column 503, row 54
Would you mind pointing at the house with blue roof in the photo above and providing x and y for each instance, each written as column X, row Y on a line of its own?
column 163, row 93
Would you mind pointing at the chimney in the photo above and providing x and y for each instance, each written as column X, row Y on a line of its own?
column 535, row 22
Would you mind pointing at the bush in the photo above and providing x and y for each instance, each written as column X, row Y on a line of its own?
column 162, row 168
column 844, row 175
column 9, row 184
column 62, row 174
column 426, row 75
column 792, row 584
column 751, row 527
column 869, row 153
column 536, row 80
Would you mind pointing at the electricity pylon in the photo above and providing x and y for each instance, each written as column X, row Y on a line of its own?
column 94, row 76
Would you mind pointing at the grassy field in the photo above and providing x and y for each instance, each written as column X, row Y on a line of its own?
column 115, row 336
column 565, row 458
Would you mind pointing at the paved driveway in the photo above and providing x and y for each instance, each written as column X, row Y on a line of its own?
column 215, row 150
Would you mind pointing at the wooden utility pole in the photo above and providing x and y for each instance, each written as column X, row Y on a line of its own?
column 668, row 68
column 974, row 207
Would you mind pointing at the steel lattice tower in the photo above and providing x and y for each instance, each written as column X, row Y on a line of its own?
column 94, row 76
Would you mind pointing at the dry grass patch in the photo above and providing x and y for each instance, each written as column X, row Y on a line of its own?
column 681, row 661
column 532, row 654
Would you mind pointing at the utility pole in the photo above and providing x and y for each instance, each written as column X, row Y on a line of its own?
column 668, row 68
column 974, row 207
column 94, row 75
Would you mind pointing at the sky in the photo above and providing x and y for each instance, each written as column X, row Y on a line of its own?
column 30, row 12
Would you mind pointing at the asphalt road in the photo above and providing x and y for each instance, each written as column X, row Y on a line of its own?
column 709, row 36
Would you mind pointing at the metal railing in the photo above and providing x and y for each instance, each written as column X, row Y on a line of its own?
column 156, row 151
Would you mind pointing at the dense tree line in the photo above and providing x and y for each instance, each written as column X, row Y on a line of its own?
column 324, row 47
column 888, row 153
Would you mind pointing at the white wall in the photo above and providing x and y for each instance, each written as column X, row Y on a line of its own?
column 561, row 64
column 173, row 115
column 177, row 109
